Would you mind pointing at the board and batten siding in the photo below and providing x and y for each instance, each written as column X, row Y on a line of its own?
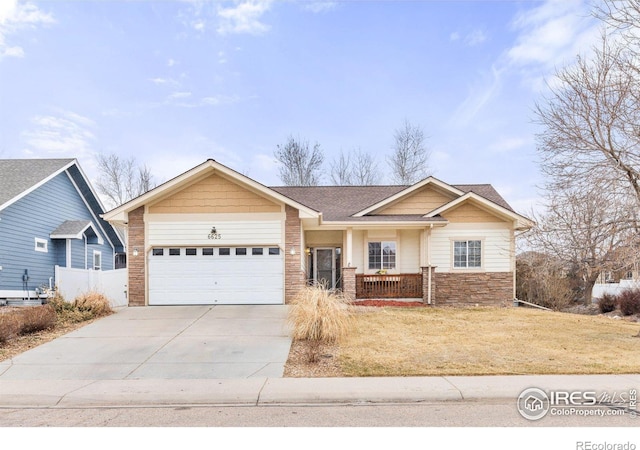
column 35, row 216
column 238, row 229
column 496, row 245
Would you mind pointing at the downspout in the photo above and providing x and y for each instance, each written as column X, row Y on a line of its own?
column 84, row 239
column 429, row 264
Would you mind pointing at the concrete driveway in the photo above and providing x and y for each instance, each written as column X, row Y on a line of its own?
column 164, row 342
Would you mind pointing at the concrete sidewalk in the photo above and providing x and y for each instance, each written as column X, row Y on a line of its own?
column 295, row 391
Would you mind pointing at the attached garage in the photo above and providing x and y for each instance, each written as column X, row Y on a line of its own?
column 213, row 236
column 216, row 275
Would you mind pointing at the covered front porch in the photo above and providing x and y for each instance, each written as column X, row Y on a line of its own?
column 370, row 264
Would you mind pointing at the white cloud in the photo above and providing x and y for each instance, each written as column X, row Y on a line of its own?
column 472, row 39
column 320, row 6
column 163, row 81
column 479, row 95
column 65, row 134
column 171, row 62
column 244, row 17
column 16, row 15
column 553, row 33
column 178, row 95
column 476, row 37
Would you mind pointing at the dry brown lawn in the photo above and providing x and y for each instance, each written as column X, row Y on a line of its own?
column 484, row 341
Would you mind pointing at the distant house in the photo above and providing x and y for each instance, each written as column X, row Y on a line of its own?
column 214, row 236
column 50, row 215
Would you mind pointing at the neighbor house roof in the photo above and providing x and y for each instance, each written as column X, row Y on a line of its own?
column 20, row 176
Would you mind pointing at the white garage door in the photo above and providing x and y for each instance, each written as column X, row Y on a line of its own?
column 215, row 275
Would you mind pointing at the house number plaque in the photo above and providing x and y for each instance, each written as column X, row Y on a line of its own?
column 214, row 235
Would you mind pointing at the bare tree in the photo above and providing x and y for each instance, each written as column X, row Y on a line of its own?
column 354, row 169
column 300, row 165
column 591, row 121
column 622, row 16
column 544, row 280
column 342, row 171
column 593, row 230
column 409, row 161
column 122, row 179
column 365, row 169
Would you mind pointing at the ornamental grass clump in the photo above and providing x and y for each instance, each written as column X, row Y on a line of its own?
column 93, row 304
column 319, row 316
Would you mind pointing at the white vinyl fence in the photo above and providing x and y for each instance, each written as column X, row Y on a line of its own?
column 613, row 288
column 111, row 283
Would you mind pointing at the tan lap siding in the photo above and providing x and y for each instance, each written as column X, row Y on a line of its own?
column 496, row 245
column 214, row 194
column 421, row 202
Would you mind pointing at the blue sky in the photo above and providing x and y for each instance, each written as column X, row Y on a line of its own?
column 176, row 82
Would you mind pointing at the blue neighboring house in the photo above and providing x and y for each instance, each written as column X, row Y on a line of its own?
column 50, row 215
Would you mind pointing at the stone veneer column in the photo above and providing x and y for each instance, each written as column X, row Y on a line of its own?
column 136, row 264
column 293, row 273
column 349, row 282
column 425, row 284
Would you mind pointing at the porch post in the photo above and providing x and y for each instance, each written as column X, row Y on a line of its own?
column 349, row 282
column 348, row 251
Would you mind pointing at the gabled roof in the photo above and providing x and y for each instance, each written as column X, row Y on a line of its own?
column 119, row 214
column 507, row 213
column 21, row 176
column 406, row 192
column 343, row 203
column 74, row 229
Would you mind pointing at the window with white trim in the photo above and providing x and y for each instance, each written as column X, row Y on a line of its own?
column 467, row 254
column 41, row 245
column 97, row 260
column 382, row 255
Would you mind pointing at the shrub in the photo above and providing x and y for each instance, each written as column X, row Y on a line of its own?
column 629, row 301
column 37, row 318
column 9, row 326
column 607, row 303
column 319, row 317
column 94, row 303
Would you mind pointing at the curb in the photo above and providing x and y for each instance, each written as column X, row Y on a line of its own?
column 292, row 391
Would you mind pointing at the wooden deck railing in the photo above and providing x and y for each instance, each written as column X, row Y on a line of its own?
column 389, row 286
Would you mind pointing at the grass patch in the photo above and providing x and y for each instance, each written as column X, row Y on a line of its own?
column 486, row 341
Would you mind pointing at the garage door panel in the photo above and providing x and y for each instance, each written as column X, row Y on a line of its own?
column 223, row 277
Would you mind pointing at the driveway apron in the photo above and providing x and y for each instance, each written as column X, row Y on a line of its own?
column 164, row 342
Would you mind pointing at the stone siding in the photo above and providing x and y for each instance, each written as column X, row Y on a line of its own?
column 136, row 264
column 294, row 277
column 487, row 288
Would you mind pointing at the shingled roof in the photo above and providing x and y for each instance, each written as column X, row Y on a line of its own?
column 19, row 175
column 340, row 203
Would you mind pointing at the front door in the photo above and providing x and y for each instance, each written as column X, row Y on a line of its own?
column 325, row 267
